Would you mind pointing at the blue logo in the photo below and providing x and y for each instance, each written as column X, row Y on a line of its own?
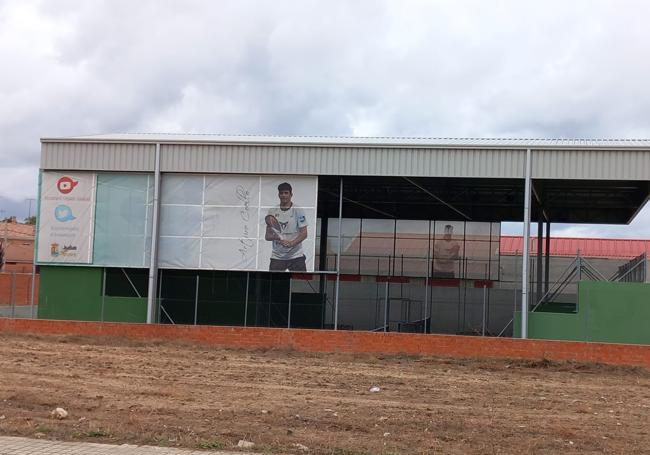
column 63, row 213
column 302, row 219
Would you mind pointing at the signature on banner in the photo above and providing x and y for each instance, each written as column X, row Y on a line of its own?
column 246, row 243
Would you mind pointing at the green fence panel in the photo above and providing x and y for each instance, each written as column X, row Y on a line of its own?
column 607, row 312
column 70, row 293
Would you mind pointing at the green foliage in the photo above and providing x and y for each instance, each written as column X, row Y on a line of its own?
column 43, row 429
column 96, row 434
column 339, row 451
column 213, row 443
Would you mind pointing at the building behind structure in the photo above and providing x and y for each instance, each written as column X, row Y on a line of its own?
column 16, row 246
column 18, row 276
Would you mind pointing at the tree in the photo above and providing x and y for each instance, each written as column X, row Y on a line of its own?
column 30, row 220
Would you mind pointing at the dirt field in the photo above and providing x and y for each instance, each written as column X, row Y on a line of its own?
column 177, row 395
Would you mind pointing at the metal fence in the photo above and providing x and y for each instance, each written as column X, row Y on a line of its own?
column 18, row 295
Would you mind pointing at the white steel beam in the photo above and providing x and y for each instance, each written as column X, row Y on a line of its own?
column 525, row 279
column 153, row 258
column 338, row 258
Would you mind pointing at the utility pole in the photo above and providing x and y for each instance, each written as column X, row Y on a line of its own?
column 29, row 211
column 4, row 240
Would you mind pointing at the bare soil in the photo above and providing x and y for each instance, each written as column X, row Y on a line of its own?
column 170, row 394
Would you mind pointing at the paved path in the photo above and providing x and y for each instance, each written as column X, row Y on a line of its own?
column 26, row 446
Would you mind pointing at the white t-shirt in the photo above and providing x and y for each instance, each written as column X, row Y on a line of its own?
column 291, row 220
column 446, row 254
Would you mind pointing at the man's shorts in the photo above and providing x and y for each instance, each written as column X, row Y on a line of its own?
column 293, row 265
column 443, row 274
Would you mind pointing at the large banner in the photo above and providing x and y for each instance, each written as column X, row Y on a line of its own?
column 287, row 223
column 238, row 222
column 66, row 217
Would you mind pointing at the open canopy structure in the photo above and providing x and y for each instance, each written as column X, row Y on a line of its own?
column 574, row 181
column 480, row 180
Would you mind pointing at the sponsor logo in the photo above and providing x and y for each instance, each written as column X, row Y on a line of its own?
column 65, row 185
column 63, row 213
column 67, row 250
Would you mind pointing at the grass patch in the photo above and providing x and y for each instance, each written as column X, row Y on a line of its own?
column 274, row 448
column 43, row 429
column 339, row 451
column 96, row 434
column 214, row 443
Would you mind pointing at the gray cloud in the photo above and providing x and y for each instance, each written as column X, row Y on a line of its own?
column 424, row 68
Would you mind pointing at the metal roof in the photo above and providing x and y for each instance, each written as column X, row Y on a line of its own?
column 588, row 247
column 577, row 180
column 388, row 141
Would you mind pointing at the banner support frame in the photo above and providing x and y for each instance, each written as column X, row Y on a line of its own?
column 153, row 259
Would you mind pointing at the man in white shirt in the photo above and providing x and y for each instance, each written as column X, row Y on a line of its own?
column 286, row 227
column 446, row 255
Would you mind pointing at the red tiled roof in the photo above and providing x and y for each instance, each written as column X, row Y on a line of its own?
column 588, row 247
column 377, row 244
column 16, row 230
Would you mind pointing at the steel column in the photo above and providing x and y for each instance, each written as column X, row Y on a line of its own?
column 246, row 299
column 196, row 299
column 322, row 266
column 153, row 258
column 426, row 282
column 289, row 308
column 547, row 265
column 338, row 258
column 540, row 263
column 31, row 290
column 12, row 297
column 526, row 251
column 103, row 294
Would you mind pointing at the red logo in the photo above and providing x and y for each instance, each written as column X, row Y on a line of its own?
column 65, row 185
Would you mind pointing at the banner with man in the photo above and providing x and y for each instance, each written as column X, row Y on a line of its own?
column 238, row 222
column 288, row 223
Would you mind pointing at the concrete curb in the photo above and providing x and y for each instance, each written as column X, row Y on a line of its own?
column 10, row 445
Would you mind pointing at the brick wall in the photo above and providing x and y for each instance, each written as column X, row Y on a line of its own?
column 22, row 289
column 18, row 267
column 346, row 341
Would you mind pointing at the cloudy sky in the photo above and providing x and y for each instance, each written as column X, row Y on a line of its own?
column 338, row 67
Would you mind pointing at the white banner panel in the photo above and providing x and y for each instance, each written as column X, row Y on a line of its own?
column 226, row 217
column 66, row 218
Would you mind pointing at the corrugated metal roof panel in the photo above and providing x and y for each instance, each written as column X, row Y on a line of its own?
column 588, row 247
column 261, row 159
column 388, row 141
column 592, row 164
column 430, row 157
column 98, row 156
